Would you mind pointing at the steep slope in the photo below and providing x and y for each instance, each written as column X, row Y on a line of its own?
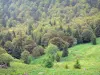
column 46, row 12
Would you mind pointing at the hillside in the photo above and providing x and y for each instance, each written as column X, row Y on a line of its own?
column 89, row 59
column 54, row 37
column 45, row 12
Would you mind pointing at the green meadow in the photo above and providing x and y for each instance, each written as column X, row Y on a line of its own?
column 88, row 55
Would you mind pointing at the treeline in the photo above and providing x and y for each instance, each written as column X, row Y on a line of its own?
column 35, row 40
column 35, row 12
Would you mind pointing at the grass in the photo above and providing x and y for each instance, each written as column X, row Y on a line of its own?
column 88, row 55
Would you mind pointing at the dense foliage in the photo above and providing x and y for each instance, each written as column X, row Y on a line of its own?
column 38, row 27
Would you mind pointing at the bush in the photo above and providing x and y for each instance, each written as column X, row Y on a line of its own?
column 65, row 51
column 37, row 51
column 77, row 65
column 5, row 59
column 97, row 29
column 66, row 66
column 9, row 47
column 86, row 35
column 25, row 56
column 93, row 40
column 78, row 36
column 59, row 42
column 70, row 40
column 46, row 38
column 57, row 57
column 51, row 49
column 29, row 44
column 41, row 49
column 48, row 63
column 2, row 51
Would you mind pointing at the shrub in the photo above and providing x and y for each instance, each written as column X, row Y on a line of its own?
column 66, row 66
column 78, row 36
column 46, row 37
column 48, row 63
column 59, row 42
column 25, row 56
column 9, row 47
column 97, row 29
column 70, row 40
column 77, row 65
column 57, row 57
column 6, row 59
column 41, row 49
column 37, row 51
column 93, row 39
column 51, row 49
column 2, row 51
column 29, row 44
column 86, row 35
column 65, row 51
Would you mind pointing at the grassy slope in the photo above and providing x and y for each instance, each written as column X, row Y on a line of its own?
column 88, row 54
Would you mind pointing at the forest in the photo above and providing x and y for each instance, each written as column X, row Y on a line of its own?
column 54, row 37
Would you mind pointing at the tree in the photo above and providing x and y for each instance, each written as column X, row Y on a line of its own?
column 65, row 51
column 37, row 51
column 29, row 44
column 70, row 40
column 57, row 57
column 78, row 36
column 59, row 42
column 77, row 65
column 2, row 51
column 17, row 47
column 8, row 36
column 41, row 49
column 51, row 51
column 9, row 47
column 48, row 63
column 30, row 28
column 66, row 66
column 86, row 35
column 25, row 56
column 46, row 38
column 14, row 34
column 92, row 3
column 97, row 29
column 69, row 31
column 60, row 28
column 17, row 52
column 93, row 39
column 5, row 58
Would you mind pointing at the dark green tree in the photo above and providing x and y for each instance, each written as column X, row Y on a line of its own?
column 97, row 29
column 48, row 63
column 57, row 57
column 93, row 39
column 65, row 51
column 78, row 36
column 86, row 35
column 77, row 65
column 5, row 58
column 69, row 31
column 9, row 47
column 30, row 28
